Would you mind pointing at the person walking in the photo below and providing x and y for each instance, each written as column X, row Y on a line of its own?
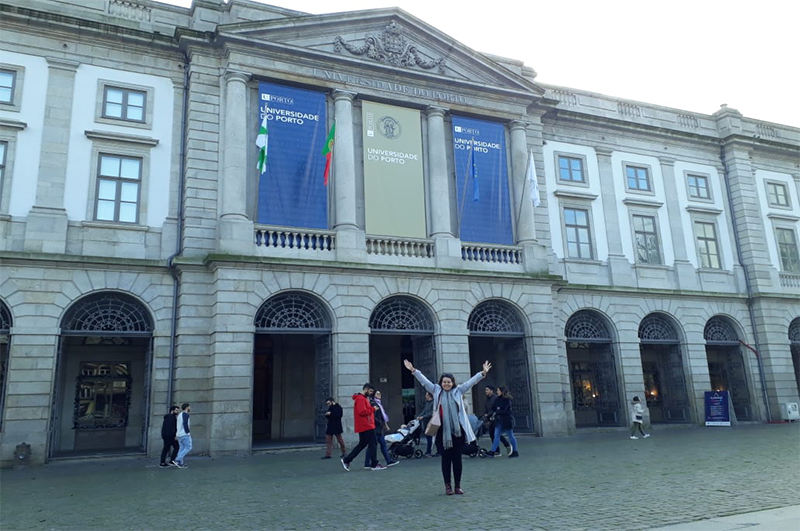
column 184, row 435
column 424, row 418
column 169, row 434
column 637, row 414
column 504, row 423
column 364, row 417
column 381, row 425
column 489, row 419
column 334, row 429
column 455, row 428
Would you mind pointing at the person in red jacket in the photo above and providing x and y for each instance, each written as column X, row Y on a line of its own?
column 364, row 415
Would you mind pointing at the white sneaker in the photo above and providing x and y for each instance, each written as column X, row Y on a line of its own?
column 646, row 435
column 634, row 437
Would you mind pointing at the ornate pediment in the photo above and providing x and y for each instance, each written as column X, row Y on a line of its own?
column 390, row 47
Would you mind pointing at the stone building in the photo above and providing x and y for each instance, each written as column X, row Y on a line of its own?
column 147, row 260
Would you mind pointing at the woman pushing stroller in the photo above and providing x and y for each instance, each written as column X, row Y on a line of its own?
column 455, row 428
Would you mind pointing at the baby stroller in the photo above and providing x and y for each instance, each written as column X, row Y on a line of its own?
column 472, row 449
column 403, row 442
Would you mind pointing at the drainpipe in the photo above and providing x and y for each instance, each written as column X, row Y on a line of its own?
column 176, row 281
column 748, row 287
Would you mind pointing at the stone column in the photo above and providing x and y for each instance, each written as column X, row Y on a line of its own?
column 437, row 171
column 685, row 273
column 523, row 207
column 344, row 161
column 620, row 269
column 46, row 226
column 235, row 229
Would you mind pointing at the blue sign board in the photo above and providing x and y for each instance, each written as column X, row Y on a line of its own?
column 484, row 209
column 291, row 191
column 718, row 411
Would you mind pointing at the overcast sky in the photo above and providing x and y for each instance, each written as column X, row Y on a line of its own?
column 693, row 55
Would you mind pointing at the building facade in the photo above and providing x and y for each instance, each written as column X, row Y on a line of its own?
column 148, row 259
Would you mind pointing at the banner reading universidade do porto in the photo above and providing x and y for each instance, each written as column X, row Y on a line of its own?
column 394, row 191
column 291, row 191
column 484, row 209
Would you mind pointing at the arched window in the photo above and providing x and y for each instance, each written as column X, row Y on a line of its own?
column 5, row 319
column 403, row 314
column 293, row 312
column 720, row 330
column 107, row 313
column 495, row 317
column 586, row 325
column 657, row 328
column 794, row 332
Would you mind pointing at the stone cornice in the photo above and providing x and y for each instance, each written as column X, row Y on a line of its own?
column 12, row 124
column 121, row 137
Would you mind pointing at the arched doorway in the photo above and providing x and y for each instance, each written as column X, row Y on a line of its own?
column 497, row 334
column 5, row 345
column 401, row 327
column 101, row 403
column 662, row 367
column 593, row 372
column 794, row 341
column 292, row 362
column 726, row 368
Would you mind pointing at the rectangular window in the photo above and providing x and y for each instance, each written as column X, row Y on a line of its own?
column 124, row 104
column 698, row 186
column 647, row 251
column 576, row 225
column 777, row 194
column 707, row 246
column 638, row 178
column 787, row 247
column 570, row 169
column 7, row 80
column 118, row 181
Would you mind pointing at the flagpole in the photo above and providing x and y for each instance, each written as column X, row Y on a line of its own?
column 522, row 195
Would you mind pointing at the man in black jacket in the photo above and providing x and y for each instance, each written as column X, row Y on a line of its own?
column 488, row 411
column 169, row 431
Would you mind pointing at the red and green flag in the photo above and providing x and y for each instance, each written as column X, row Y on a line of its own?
column 328, row 152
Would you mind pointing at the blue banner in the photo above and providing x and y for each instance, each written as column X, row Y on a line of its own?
column 291, row 190
column 717, row 405
column 483, row 207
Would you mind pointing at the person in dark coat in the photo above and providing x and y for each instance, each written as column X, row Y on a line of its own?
column 489, row 421
column 505, row 422
column 334, row 416
column 169, row 432
column 424, row 418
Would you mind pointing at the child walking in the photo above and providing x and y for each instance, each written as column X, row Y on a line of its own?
column 638, row 411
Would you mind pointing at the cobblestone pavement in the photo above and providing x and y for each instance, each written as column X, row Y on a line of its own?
column 589, row 481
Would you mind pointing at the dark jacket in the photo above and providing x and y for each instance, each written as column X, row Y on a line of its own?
column 488, row 409
column 427, row 413
column 170, row 427
column 378, row 415
column 334, row 420
column 502, row 407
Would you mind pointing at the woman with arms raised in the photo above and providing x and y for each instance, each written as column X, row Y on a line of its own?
column 455, row 428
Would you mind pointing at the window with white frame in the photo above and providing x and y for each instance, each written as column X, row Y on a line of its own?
column 787, row 248
column 570, row 169
column 638, row 178
column 124, row 104
column 578, row 235
column 646, row 240
column 8, row 79
column 777, row 194
column 118, row 185
column 698, row 186
column 707, row 244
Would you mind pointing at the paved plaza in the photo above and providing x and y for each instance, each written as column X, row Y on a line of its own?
column 594, row 480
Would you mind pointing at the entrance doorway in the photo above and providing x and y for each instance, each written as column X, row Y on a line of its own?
column 726, row 368
column 794, row 341
column 497, row 334
column 662, row 367
column 292, row 363
column 5, row 343
column 593, row 373
column 102, row 377
column 401, row 328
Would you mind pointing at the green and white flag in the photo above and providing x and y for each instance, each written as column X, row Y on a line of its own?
column 261, row 141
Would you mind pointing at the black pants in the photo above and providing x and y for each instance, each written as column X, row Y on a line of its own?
column 366, row 439
column 451, row 457
column 167, row 444
column 502, row 437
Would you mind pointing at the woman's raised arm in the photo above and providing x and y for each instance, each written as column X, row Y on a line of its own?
column 420, row 377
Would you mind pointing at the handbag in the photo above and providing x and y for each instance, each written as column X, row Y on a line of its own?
column 434, row 424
